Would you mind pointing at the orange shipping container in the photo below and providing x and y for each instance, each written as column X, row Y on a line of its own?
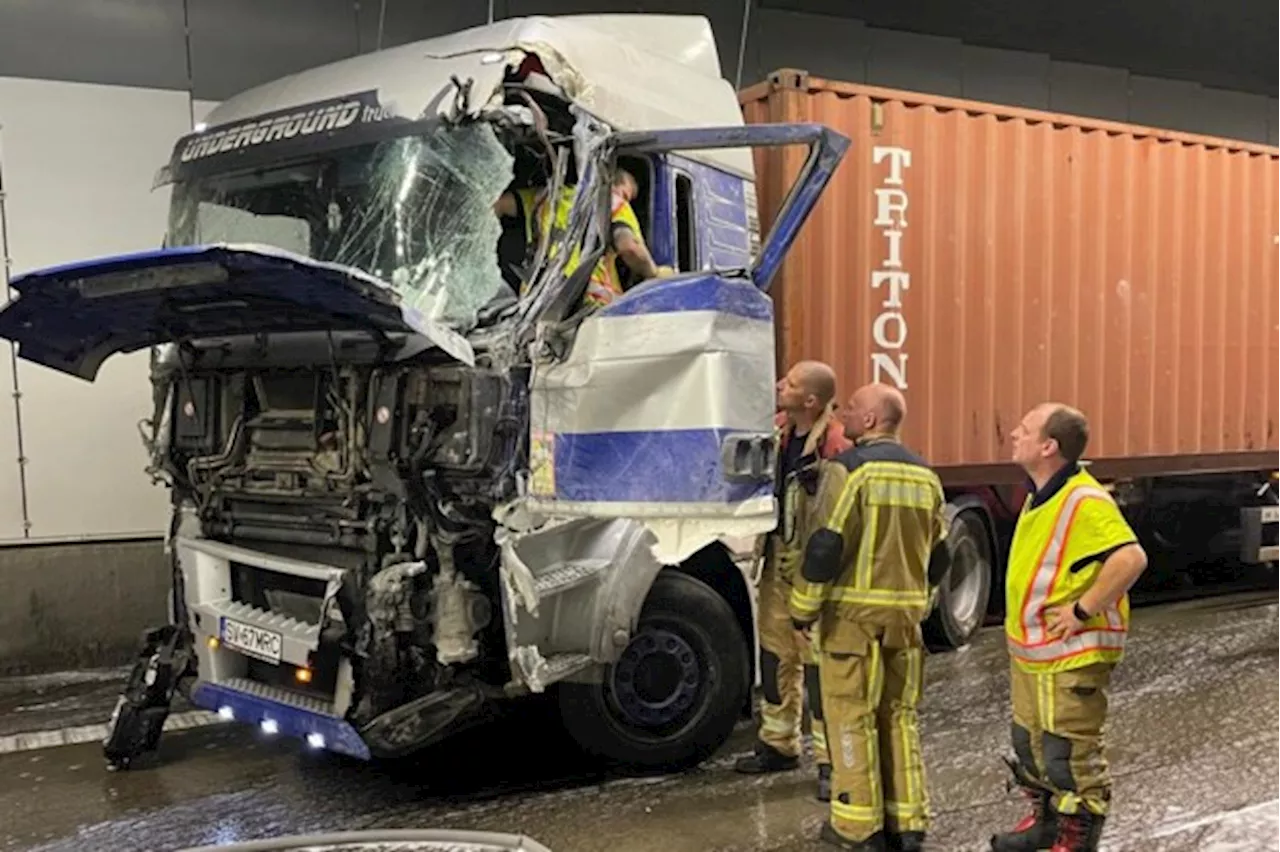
column 985, row 258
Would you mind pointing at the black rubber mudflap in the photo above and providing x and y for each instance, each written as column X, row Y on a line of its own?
column 138, row 719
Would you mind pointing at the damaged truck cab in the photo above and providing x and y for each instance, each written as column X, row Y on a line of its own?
column 412, row 475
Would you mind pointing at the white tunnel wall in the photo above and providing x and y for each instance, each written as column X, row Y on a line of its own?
column 78, row 161
column 11, row 515
column 200, row 110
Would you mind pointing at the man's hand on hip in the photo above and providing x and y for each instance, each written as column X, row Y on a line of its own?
column 1062, row 622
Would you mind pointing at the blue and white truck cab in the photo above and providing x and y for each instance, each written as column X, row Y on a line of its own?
column 411, row 474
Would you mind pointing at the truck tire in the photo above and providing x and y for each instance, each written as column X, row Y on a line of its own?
column 963, row 595
column 677, row 690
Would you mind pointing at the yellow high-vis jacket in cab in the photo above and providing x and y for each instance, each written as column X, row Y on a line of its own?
column 870, row 563
column 1064, row 534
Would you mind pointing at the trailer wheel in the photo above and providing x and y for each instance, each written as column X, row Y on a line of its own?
column 675, row 694
column 963, row 595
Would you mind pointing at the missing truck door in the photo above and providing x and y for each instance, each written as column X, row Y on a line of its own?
column 889, row 328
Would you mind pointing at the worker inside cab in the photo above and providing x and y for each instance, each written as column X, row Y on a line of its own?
column 626, row 242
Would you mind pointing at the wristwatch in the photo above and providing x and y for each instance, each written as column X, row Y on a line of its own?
column 1079, row 613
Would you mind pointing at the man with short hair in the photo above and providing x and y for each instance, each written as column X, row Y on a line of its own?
column 865, row 585
column 808, row 433
column 1071, row 564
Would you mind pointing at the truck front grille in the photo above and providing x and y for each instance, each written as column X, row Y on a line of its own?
column 300, row 598
column 279, row 604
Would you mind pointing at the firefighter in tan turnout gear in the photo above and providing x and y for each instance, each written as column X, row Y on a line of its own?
column 808, row 433
column 1071, row 564
column 865, row 586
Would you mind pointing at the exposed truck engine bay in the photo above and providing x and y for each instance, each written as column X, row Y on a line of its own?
column 387, row 472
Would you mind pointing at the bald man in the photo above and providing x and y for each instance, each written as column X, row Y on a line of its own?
column 864, row 585
column 808, row 433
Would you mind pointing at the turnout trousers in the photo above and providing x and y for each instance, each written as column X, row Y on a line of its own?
column 788, row 672
column 1058, row 722
column 871, row 681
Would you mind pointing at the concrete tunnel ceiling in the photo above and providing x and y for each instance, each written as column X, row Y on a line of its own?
column 1228, row 44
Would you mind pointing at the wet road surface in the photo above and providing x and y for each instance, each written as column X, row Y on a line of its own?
column 61, row 699
column 1193, row 743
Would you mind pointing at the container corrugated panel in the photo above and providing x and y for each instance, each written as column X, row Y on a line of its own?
column 985, row 259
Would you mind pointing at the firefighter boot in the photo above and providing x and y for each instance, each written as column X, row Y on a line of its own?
column 1036, row 832
column 907, row 841
column 824, row 782
column 765, row 759
column 1078, row 832
column 874, row 843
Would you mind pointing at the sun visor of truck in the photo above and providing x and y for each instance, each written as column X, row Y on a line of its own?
column 72, row 318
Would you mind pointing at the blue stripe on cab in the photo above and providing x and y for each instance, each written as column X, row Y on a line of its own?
column 671, row 466
column 738, row 297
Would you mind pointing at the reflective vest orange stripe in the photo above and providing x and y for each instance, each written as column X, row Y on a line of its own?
column 1050, row 565
column 1035, row 646
column 603, row 286
column 1096, row 639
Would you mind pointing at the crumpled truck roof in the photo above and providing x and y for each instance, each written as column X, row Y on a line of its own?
column 634, row 72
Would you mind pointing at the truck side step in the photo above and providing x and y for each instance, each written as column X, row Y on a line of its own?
column 562, row 576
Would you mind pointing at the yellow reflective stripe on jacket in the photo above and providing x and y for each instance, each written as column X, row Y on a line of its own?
column 848, row 500
column 878, row 597
column 790, row 499
column 806, row 596
column 535, row 213
column 910, row 487
column 1099, row 640
column 885, row 515
column 806, row 599
column 604, row 285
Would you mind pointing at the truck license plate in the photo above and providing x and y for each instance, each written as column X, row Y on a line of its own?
column 263, row 644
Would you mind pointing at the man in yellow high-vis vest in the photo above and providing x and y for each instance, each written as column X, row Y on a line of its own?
column 1071, row 564
column 626, row 242
column 864, row 584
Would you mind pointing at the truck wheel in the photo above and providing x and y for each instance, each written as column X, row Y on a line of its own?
column 962, row 597
column 673, row 697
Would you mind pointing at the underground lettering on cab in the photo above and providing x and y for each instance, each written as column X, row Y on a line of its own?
column 305, row 123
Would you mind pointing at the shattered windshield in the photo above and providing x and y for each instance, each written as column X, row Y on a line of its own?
column 417, row 212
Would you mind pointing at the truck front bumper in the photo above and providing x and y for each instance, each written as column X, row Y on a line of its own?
column 281, row 714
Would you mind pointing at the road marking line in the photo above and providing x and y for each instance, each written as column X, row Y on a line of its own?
column 1178, row 828
column 79, row 734
column 35, row 740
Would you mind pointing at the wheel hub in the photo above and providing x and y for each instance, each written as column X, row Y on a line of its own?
column 965, row 584
column 656, row 679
